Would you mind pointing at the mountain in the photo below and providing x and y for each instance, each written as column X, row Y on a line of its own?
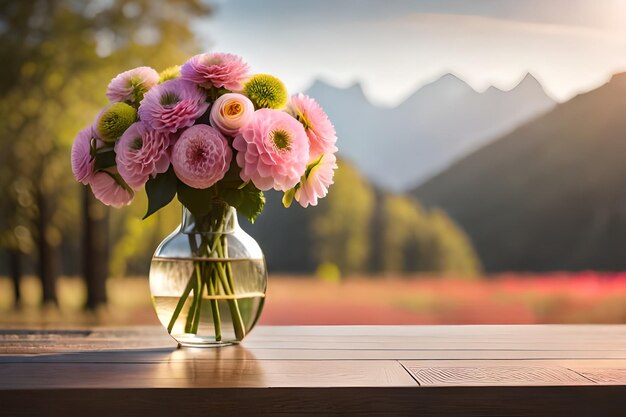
column 551, row 195
column 398, row 148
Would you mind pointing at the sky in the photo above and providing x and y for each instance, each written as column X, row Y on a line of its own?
column 392, row 47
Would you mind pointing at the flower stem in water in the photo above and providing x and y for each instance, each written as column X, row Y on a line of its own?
column 212, row 288
column 180, row 304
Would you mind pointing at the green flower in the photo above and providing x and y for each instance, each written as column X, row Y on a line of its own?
column 115, row 120
column 266, row 91
column 170, row 73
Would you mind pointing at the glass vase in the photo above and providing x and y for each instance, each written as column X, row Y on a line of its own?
column 208, row 279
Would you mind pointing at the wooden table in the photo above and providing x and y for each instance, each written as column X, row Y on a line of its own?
column 323, row 371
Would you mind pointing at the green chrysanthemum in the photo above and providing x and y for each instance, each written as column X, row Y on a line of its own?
column 266, row 91
column 115, row 120
column 170, row 73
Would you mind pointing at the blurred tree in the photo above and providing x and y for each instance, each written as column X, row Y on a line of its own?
column 414, row 240
column 58, row 56
column 448, row 249
column 341, row 224
column 401, row 222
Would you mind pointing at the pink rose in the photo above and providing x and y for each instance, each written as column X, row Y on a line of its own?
column 230, row 112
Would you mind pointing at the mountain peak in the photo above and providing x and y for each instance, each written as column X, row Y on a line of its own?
column 356, row 87
column 322, row 88
column 448, row 87
column 529, row 77
column 619, row 75
column 528, row 85
column 618, row 78
column 321, row 85
column 450, row 79
column 529, row 82
column 494, row 89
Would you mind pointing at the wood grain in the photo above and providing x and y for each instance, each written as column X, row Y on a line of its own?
column 510, row 374
column 207, row 374
column 605, row 375
column 340, row 370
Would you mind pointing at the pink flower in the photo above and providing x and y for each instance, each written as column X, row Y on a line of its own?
column 273, row 150
column 316, row 183
column 108, row 191
column 173, row 105
column 230, row 112
column 201, row 156
column 130, row 86
column 318, row 128
column 140, row 153
column 82, row 163
column 216, row 69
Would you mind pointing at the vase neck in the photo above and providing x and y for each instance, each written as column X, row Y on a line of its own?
column 221, row 218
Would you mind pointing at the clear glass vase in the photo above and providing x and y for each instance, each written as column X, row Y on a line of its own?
column 208, row 279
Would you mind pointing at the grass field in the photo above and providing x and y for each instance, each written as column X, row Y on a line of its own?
column 512, row 298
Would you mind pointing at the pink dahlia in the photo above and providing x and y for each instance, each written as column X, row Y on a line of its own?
column 273, row 150
column 315, row 184
column 318, row 128
column 131, row 85
column 106, row 189
column 82, row 163
column 173, row 105
column 201, row 156
column 216, row 69
column 140, row 153
column 230, row 112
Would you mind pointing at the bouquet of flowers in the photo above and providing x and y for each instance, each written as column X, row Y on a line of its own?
column 206, row 131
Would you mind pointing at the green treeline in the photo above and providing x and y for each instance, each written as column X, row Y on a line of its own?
column 363, row 230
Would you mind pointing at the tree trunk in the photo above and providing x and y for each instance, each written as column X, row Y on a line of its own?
column 46, row 265
column 15, row 269
column 95, row 249
column 377, row 233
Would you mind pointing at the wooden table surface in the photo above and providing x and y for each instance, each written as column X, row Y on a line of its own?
column 553, row 370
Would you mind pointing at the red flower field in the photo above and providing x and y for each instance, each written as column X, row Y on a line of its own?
column 586, row 297
column 509, row 298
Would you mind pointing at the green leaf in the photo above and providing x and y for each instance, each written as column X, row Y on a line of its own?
column 232, row 177
column 92, row 147
column 160, row 190
column 244, row 196
column 288, row 197
column 249, row 200
column 104, row 159
column 214, row 93
column 197, row 201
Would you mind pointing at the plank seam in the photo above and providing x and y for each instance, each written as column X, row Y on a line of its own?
column 419, row 384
